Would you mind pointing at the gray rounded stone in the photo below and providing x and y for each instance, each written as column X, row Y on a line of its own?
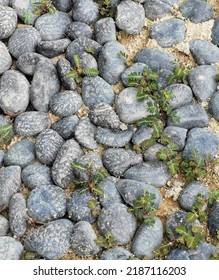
column 4, row 226
column 45, row 84
column 188, row 196
column 36, row 175
column 169, row 32
column 119, row 222
column 203, row 251
column 18, row 215
column 196, row 11
column 14, row 92
column 110, row 63
column 105, row 30
column 116, row 161
column 62, row 172
column 153, row 173
column 23, row 7
column 65, row 103
column 63, row 68
column 214, row 105
column 23, row 40
column 130, row 17
column 137, row 67
column 47, row 145
column 46, row 203
column 113, row 137
column 52, row 27
column 86, row 11
column 213, row 219
column 52, row 240
column 151, row 153
column 5, row 58
column 8, row 22
column 204, row 52
column 54, row 48
column 142, row 133
column 31, row 123
column 78, row 29
column 10, row 182
column 96, row 90
column 155, row 9
column 83, row 240
column 118, row 253
column 87, row 61
column 215, row 32
column 63, row 5
column 78, row 208
column 66, row 126
column 190, row 116
column 21, row 153
column 10, row 249
column 178, row 254
column 131, row 190
column 205, row 142
column 177, row 135
column 147, row 239
column 128, row 108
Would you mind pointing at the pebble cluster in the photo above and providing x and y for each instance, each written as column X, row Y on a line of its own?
column 55, row 123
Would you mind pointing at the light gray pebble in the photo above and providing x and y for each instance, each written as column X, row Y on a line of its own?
column 54, row 48
column 78, row 29
column 178, row 254
column 10, row 249
column 4, row 226
column 66, row 126
column 5, row 58
column 87, row 61
column 8, row 21
column 23, row 7
column 203, row 251
column 4, row 2
column 105, row 30
column 86, row 11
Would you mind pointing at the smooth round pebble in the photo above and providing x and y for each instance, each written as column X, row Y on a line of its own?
column 85, row 11
column 214, row 105
column 78, row 29
column 105, row 30
column 4, row 226
column 11, row 249
column 54, row 48
column 155, row 9
column 66, row 126
column 5, row 58
column 8, row 22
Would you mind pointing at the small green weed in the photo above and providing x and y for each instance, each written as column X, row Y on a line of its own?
column 197, row 211
column 213, row 197
column 107, row 241
column 27, row 17
column 125, row 58
column 179, row 75
column 105, row 8
column 44, row 6
column 189, row 237
column 6, row 133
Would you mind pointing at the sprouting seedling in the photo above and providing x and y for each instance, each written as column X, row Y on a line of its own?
column 179, row 75
column 124, row 56
column 6, row 133
column 213, row 197
column 107, row 241
column 190, row 237
column 105, row 8
column 27, row 17
column 197, row 210
column 44, row 6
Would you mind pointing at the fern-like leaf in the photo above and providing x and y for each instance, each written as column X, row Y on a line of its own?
column 91, row 72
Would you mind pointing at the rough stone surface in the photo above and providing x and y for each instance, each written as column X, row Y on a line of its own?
column 105, row 30
column 78, row 29
column 66, row 126
column 85, row 11
column 5, row 58
column 53, row 48
column 119, row 222
column 213, row 219
column 63, row 68
column 4, row 226
column 8, row 22
column 177, row 135
column 215, row 32
column 214, row 105
column 117, row 253
column 10, row 249
column 155, row 9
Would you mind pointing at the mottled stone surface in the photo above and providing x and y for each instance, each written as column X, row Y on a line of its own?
column 54, row 48
column 8, row 22
column 85, row 11
column 213, row 219
column 5, row 58
column 105, row 30
column 63, row 68
column 4, row 226
column 66, row 126
column 117, row 253
column 10, row 249
column 78, row 29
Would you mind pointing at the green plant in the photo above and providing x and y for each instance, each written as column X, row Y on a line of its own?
column 107, row 241
column 105, row 8
column 78, row 72
column 197, row 211
column 44, row 6
column 190, row 237
column 213, row 196
column 179, row 75
column 27, row 17
column 143, row 208
column 125, row 58
column 6, row 133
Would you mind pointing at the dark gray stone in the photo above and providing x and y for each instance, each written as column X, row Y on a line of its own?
column 118, row 253
column 5, row 58
column 47, row 145
column 10, row 249
column 182, row 95
column 85, row 11
column 169, row 32
column 142, row 133
column 118, row 160
column 14, row 92
column 51, row 241
column 202, row 252
column 113, row 137
column 52, row 27
column 63, row 5
column 62, row 172
column 53, row 48
column 27, row 62
column 87, row 61
column 202, row 81
column 65, row 103
column 111, row 194
column 178, row 254
column 31, row 123
column 151, row 153
column 119, row 222
column 18, row 215
column 188, row 196
column 131, row 190
column 215, row 32
column 128, row 108
column 45, row 84
column 8, row 21
column 96, row 90
column 177, row 135
column 103, row 115
column 85, row 133
column 4, row 226
column 155, row 59
column 46, row 203
column 110, row 63
column 36, row 175
column 24, row 6
column 105, row 30
column 78, row 29
column 204, row 52
column 214, row 105
column 77, row 206
column 153, row 173
column 192, row 115
column 63, row 68
column 10, row 182
column 83, row 240
column 155, row 9
column 23, row 40
column 137, row 67
column 130, row 17
column 197, row 11
column 66, row 126
column 21, row 153
column 205, row 142
column 114, row 3
column 147, row 239
column 213, row 219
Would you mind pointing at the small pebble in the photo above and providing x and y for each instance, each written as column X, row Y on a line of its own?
column 66, row 126
column 85, row 11
column 5, row 58
column 78, row 29
column 63, row 68
column 105, row 30
column 4, row 226
column 8, row 22
column 214, row 105
column 54, row 48
column 11, row 249
column 215, row 32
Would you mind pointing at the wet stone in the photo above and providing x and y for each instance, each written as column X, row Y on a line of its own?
column 8, row 22
column 215, row 32
column 214, row 106
column 78, row 29
column 10, row 249
column 119, row 222
column 5, row 58
column 47, row 145
column 21, row 153
column 63, row 68
column 117, row 253
column 4, row 226
column 18, row 215
column 53, row 48
column 105, row 30
column 177, row 135
column 85, row 11
column 155, row 9
column 213, row 219
column 142, row 133
column 66, row 126
column 46, row 203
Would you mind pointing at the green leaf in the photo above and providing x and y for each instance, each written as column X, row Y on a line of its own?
column 146, row 144
column 173, row 166
column 191, row 217
column 72, row 74
column 77, row 60
column 91, row 72
column 6, row 132
column 92, row 204
column 181, row 229
column 141, row 95
column 98, row 191
column 78, row 166
column 192, row 241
